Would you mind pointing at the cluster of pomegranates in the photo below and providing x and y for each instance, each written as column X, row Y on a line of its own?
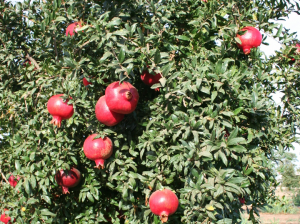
column 119, row 99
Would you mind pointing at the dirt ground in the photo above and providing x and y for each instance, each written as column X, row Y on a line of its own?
column 267, row 218
column 279, row 218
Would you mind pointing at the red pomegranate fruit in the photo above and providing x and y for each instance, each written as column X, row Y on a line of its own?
column 150, row 79
column 59, row 109
column 252, row 38
column 67, row 179
column 5, row 218
column 292, row 60
column 298, row 48
column 163, row 203
column 121, row 98
column 98, row 149
column 242, row 200
column 86, row 82
column 13, row 181
column 73, row 28
column 105, row 115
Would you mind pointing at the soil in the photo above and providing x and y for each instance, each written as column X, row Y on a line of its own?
column 267, row 218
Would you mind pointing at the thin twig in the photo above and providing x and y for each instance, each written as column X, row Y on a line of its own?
column 3, row 43
column 33, row 61
column 37, row 96
column 86, row 43
column 3, row 176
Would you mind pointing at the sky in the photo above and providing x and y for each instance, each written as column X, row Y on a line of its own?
column 289, row 23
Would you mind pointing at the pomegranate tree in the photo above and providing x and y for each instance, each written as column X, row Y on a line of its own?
column 105, row 115
column 150, row 79
column 67, row 179
column 163, row 203
column 59, row 109
column 121, row 98
column 98, row 149
column 13, row 181
column 73, row 28
column 252, row 38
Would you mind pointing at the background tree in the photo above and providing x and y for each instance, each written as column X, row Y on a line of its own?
column 287, row 169
column 209, row 133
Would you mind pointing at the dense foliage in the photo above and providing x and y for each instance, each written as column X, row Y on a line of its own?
column 208, row 134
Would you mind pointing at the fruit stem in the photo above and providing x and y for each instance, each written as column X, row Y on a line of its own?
column 246, row 50
column 65, row 190
column 56, row 121
column 163, row 217
column 128, row 95
column 99, row 163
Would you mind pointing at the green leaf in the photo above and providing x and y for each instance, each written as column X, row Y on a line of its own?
column 90, row 197
column 235, row 141
column 60, row 18
column 182, row 37
column 114, row 22
column 46, row 212
column 121, row 55
column 238, row 40
column 17, row 165
column 157, row 57
column 279, row 31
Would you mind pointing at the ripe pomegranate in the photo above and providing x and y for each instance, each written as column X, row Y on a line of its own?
column 298, row 48
column 252, row 38
column 73, row 27
column 13, row 181
column 67, row 179
column 292, row 60
column 59, row 109
column 149, row 79
column 242, row 200
column 86, row 82
column 5, row 218
column 163, row 203
column 98, row 149
column 105, row 115
column 121, row 98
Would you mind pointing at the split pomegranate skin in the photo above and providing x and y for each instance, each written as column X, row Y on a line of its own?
column 73, row 28
column 98, row 149
column 121, row 98
column 105, row 115
column 59, row 109
column 163, row 203
column 252, row 38
column 68, row 179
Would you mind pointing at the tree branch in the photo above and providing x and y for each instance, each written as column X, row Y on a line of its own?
column 3, row 176
column 33, row 61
